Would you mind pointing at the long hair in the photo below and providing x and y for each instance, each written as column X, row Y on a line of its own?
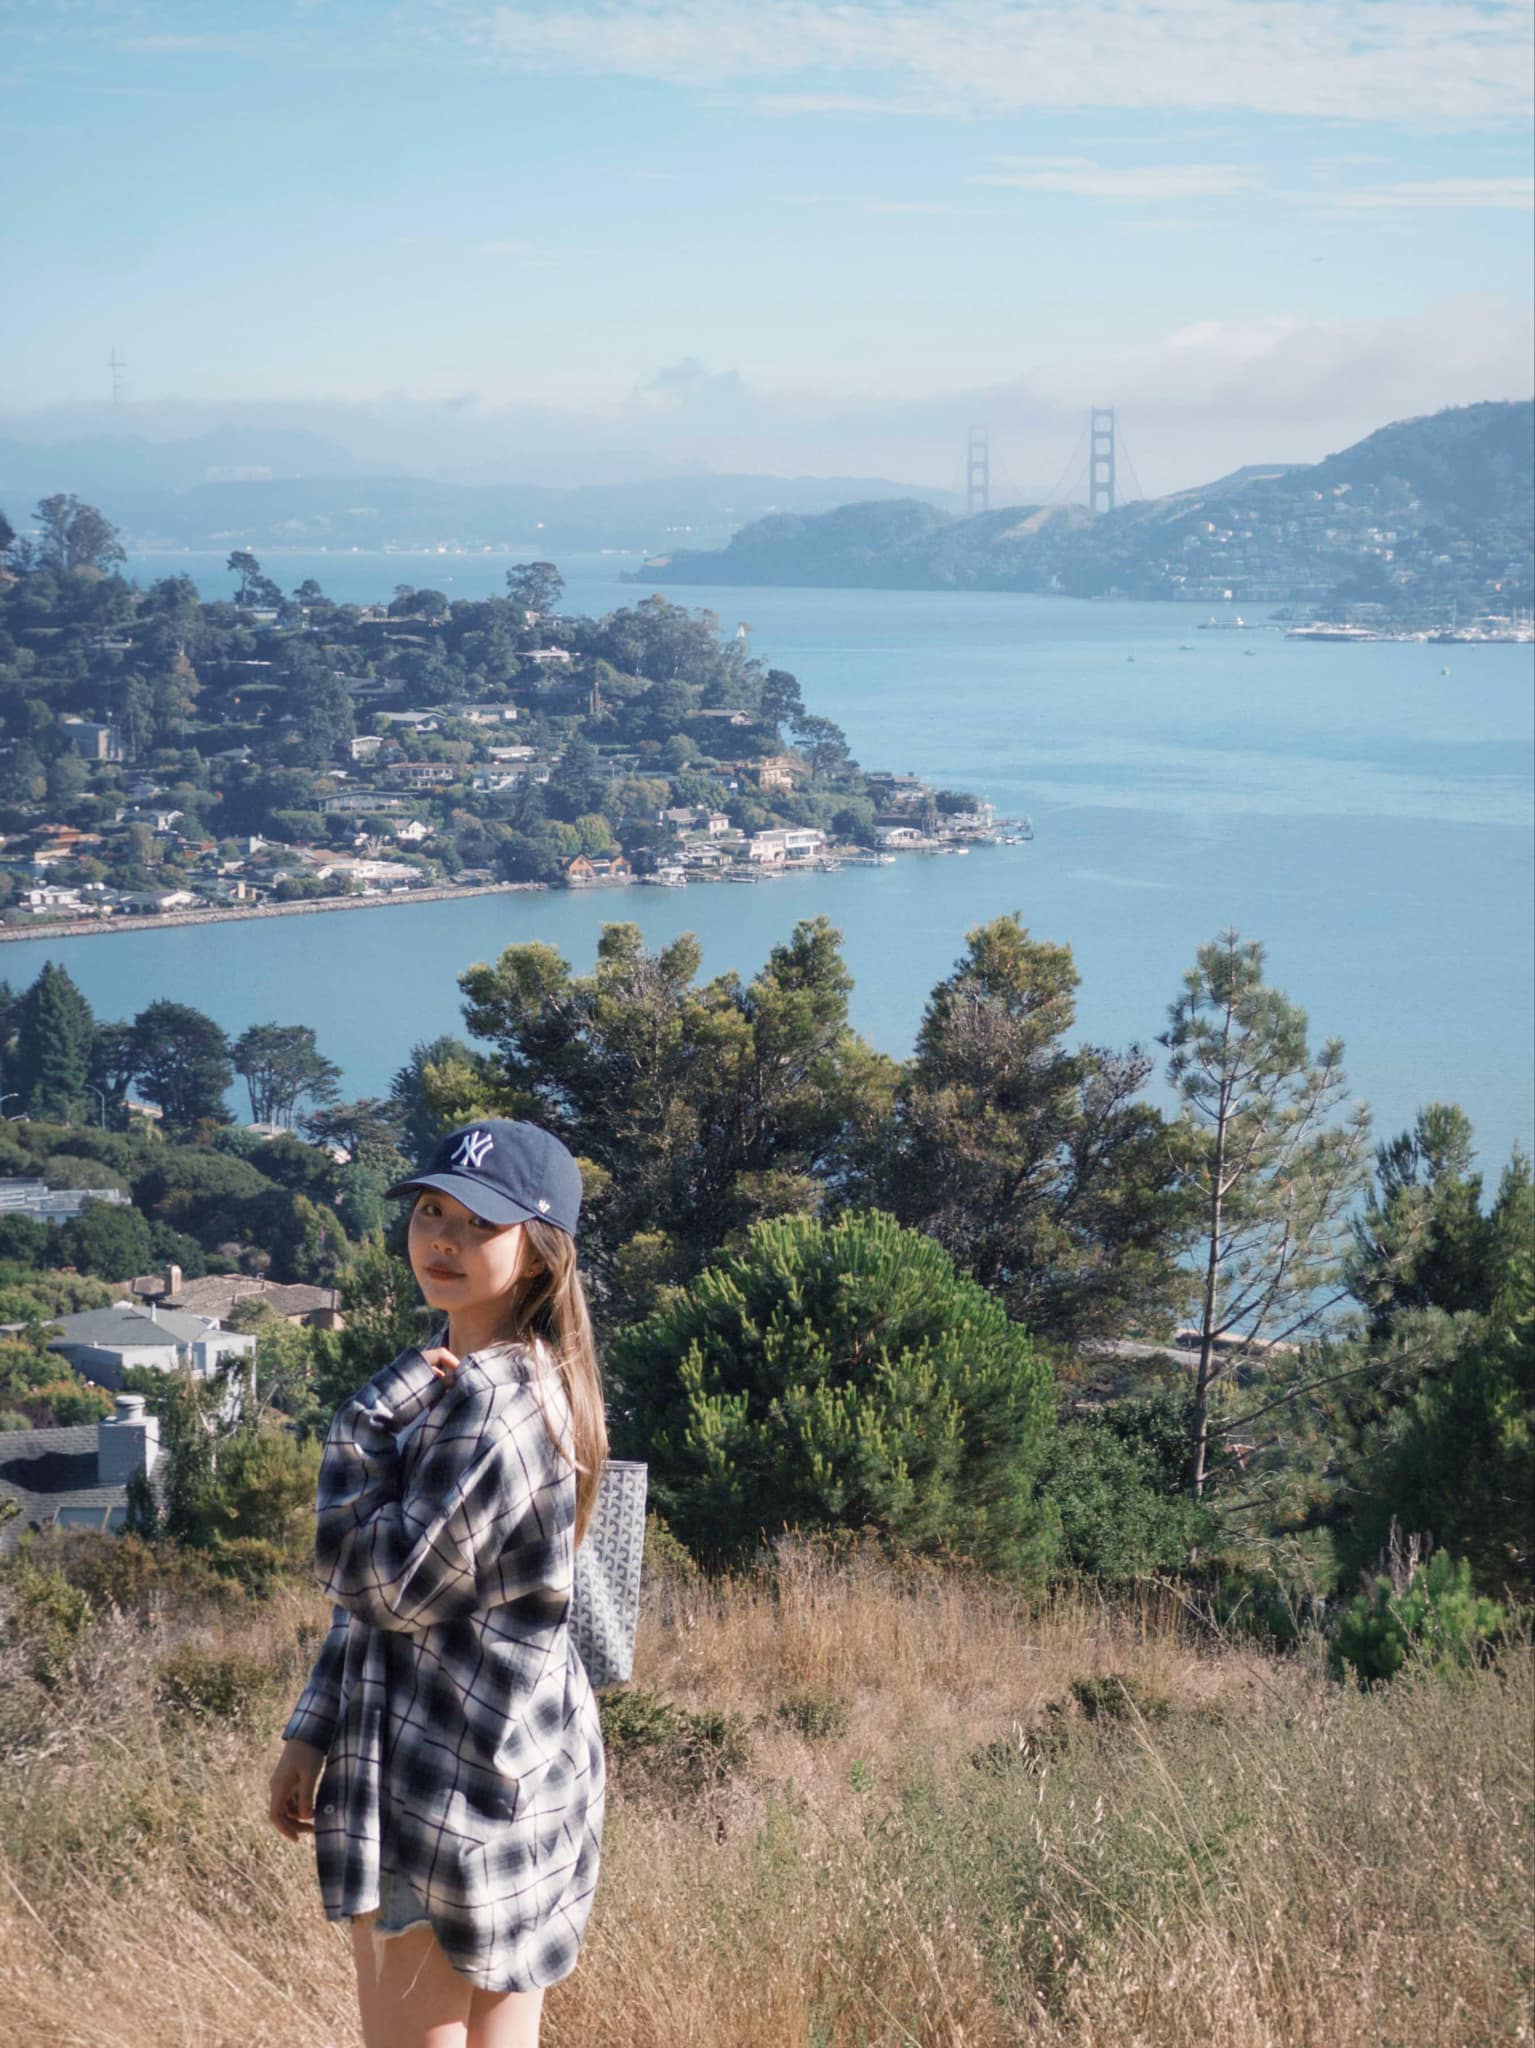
column 547, row 1312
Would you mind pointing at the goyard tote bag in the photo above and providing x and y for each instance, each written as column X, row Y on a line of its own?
column 605, row 1598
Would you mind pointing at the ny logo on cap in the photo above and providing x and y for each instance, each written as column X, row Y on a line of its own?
column 473, row 1147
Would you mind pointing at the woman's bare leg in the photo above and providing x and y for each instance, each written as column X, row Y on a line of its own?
column 506, row 2019
column 410, row 1996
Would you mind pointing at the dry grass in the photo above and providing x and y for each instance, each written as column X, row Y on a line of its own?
column 1267, row 1859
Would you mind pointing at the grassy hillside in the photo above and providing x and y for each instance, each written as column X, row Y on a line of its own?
column 849, row 1810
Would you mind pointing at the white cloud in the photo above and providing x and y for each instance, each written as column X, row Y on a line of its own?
column 1512, row 194
column 1089, row 180
column 1426, row 61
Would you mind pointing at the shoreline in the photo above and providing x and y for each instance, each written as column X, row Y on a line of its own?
column 104, row 927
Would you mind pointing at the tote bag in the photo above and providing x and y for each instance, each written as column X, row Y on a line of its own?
column 605, row 1597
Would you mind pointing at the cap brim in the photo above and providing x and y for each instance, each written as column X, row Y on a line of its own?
column 485, row 1202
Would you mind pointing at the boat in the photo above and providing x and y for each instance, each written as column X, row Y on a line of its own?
column 1331, row 632
column 1215, row 625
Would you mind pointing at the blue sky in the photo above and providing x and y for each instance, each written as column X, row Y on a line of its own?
column 722, row 228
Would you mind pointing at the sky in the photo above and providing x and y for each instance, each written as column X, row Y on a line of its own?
column 768, row 234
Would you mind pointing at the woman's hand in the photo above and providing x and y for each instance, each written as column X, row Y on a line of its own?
column 291, row 1789
column 443, row 1362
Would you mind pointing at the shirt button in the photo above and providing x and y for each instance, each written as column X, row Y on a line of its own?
column 329, row 1806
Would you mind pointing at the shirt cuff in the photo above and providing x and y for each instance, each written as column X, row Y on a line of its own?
column 306, row 1725
column 402, row 1389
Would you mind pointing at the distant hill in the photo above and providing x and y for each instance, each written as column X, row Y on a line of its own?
column 210, row 493
column 1425, row 512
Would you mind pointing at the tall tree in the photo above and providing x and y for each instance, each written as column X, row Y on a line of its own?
column 1033, row 1165
column 1422, row 1240
column 77, row 536
column 114, row 1063
column 535, row 586
column 54, row 1033
column 282, row 1066
column 576, row 783
column 183, row 1063
column 1273, row 1175
column 699, row 1110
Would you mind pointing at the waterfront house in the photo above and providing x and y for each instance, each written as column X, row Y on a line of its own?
column 586, row 869
column 763, row 851
column 155, row 902
column 794, row 842
column 78, row 1478
column 901, row 835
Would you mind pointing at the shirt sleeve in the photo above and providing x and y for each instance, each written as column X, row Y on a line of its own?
column 413, row 1555
column 319, row 1704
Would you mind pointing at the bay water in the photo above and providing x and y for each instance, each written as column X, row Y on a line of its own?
column 1363, row 810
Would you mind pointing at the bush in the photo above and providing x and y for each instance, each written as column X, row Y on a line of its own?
column 843, row 1374
column 682, row 1750
column 814, row 1715
column 1436, row 1618
column 49, row 1617
column 197, row 1684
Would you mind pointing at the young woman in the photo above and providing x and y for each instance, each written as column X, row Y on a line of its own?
column 447, row 1753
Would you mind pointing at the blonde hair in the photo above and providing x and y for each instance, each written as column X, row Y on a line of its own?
column 548, row 1312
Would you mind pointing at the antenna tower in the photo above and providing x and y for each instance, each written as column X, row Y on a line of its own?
column 117, row 366
column 1100, row 474
column 977, row 473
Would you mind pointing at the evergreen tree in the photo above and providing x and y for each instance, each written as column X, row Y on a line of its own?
column 54, row 1035
column 1272, row 1175
column 840, row 1376
column 695, row 1111
column 1422, row 1241
column 1033, row 1165
column 282, row 1066
column 182, row 1062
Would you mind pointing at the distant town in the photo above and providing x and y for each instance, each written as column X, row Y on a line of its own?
column 167, row 759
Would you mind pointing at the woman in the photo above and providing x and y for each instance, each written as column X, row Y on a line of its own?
column 447, row 1752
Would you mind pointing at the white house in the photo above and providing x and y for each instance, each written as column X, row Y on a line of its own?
column 413, row 831
column 102, row 1342
column 792, row 843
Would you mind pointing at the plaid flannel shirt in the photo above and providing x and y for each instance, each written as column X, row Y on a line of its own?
column 461, row 1732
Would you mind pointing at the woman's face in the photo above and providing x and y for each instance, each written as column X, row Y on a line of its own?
column 460, row 1261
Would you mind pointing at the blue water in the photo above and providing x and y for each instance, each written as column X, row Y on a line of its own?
column 1364, row 815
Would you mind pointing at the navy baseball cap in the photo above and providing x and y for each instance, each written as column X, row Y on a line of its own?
column 505, row 1171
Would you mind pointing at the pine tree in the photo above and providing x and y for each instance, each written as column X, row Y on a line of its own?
column 841, row 1375
column 1273, row 1176
column 55, row 1031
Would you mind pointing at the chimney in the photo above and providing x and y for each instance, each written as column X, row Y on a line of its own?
column 172, row 1278
column 126, row 1442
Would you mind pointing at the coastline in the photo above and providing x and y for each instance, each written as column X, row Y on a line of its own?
column 104, row 927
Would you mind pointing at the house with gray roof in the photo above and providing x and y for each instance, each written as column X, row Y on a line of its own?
column 101, row 1343
column 78, row 1478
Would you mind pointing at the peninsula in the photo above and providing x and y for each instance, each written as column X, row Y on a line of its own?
column 165, row 758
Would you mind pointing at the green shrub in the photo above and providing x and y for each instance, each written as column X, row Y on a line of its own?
column 49, row 1618
column 1118, row 1698
column 815, row 1715
column 842, row 1374
column 1438, row 1619
column 683, row 1750
column 196, row 1684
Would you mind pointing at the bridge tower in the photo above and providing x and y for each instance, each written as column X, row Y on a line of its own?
column 1100, row 475
column 977, row 473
